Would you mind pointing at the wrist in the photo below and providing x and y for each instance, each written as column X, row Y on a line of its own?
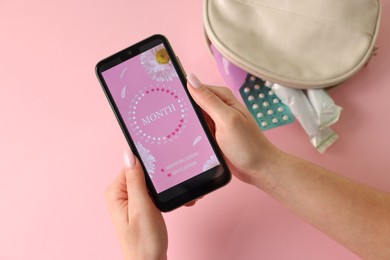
column 267, row 176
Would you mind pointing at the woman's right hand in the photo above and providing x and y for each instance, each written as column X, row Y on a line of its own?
column 248, row 151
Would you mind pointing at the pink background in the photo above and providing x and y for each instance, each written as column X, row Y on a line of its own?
column 60, row 145
column 177, row 131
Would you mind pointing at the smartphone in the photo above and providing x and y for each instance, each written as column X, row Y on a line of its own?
column 146, row 87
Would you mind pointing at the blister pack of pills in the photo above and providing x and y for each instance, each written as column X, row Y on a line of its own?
column 264, row 105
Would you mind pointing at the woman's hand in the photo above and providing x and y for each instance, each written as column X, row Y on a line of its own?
column 343, row 209
column 237, row 133
column 139, row 224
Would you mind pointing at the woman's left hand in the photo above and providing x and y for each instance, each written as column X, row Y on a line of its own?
column 139, row 224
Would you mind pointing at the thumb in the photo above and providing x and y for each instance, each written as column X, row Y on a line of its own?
column 212, row 104
column 135, row 182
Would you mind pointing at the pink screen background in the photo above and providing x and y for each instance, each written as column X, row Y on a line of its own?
column 60, row 145
column 160, row 119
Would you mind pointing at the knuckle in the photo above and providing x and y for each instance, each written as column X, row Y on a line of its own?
column 228, row 91
column 233, row 119
column 208, row 96
column 132, row 176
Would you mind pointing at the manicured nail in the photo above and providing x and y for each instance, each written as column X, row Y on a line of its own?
column 194, row 81
column 128, row 159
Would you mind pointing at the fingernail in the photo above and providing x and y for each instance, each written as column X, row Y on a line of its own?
column 194, row 81
column 128, row 159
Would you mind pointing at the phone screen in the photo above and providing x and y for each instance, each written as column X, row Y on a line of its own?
column 160, row 118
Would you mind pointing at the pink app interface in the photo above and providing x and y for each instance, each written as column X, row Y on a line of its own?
column 160, row 119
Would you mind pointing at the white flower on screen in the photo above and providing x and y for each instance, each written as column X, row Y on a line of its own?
column 210, row 163
column 197, row 140
column 123, row 92
column 147, row 158
column 158, row 64
column 122, row 73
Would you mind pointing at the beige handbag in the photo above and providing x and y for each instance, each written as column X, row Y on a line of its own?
column 296, row 43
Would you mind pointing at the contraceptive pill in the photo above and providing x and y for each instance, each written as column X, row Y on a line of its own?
column 267, row 109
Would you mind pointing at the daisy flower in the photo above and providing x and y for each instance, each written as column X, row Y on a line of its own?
column 158, row 64
column 210, row 163
column 147, row 158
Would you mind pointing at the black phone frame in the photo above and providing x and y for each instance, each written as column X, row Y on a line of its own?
column 194, row 187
